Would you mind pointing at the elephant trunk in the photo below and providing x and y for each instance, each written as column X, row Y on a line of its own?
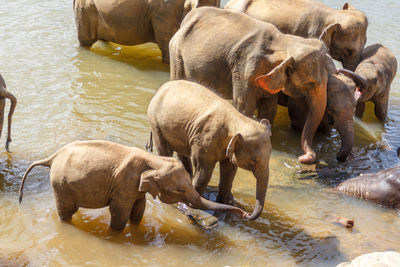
column 317, row 104
column 360, row 81
column 199, row 202
column 261, row 190
column 13, row 100
column 345, row 126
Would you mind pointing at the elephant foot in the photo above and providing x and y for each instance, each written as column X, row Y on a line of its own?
column 308, row 158
column 225, row 199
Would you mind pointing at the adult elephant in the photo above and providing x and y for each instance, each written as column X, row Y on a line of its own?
column 344, row 32
column 4, row 93
column 132, row 22
column 250, row 61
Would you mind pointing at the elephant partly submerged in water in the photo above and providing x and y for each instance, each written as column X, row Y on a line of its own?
column 250, row 61
column 132, row 22
column 344, row 32
column 96, row 174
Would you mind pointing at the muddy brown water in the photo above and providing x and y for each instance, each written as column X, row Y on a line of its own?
column 67, row 93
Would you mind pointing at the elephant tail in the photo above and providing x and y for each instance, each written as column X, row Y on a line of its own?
column 149, row 145
column 44, row 162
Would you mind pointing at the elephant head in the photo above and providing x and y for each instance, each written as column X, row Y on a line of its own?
column 252, row 152
column 346, row 37
column 172, row 184
column 4, row 93
column 302, row 73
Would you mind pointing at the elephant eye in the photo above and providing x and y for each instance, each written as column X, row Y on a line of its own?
column 181, row 190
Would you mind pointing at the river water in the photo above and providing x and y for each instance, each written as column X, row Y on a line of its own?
column 66, row 93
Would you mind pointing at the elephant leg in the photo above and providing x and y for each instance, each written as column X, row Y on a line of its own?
column 244, row 98
column 86, row 25
column 137, row 210
column 120, row 213
column 381, row 105
column 203, row 172
column 163, row 32
column 227, row 172
column 162, row 146
column 360, row 108
column 267, row 108
column 66, row 206
column 187, row 163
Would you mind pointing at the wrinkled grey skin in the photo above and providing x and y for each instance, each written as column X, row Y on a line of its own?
column 344, row 31
column 339, row 110
column 4, row 93
column 132, row 22
column 96, row 174
column 196, row 123
column 250, row 61
column 382, row 187
column 378, row 66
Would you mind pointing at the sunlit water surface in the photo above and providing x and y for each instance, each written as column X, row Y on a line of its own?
column 66, row 93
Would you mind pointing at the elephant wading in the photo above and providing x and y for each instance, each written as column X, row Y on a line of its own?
column 339, row 111
column 4, row 93
column 132, row 22
column 250, row 61
column 96, row 174
column 344, row 31
column 377, row 68
column 196, row 123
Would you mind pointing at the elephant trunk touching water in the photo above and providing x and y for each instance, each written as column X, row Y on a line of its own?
column 344, row 124
column 4, row 93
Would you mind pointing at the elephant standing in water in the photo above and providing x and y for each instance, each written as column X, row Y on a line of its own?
column 4, row 93
column 378, row 68
column 250, row 61
column 344, row 32
column 132, row 22
column 339, row 111
column 196, row 123
column 96, row 174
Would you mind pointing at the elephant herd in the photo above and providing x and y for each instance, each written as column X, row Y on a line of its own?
column 260, row 54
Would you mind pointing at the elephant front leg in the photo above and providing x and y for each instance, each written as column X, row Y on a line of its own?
column 381, row 105
column 202, row 175
column 267, row 108
column 244, row 99
column 120, row 213
column 137, row 210
column 227, row 172
column 187, row 163
column 360, row 108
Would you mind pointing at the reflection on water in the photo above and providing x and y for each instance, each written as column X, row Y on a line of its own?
column 66, row 93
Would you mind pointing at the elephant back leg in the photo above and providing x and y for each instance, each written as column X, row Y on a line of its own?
column 163, row 148
column 66, row 206
column 86, row 23
column 137, row 210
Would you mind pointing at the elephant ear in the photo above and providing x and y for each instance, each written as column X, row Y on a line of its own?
column 148, row 183
column 347, row 6
column 237, row 139
column 267, row 124
column 275, row 80
column 327, row 35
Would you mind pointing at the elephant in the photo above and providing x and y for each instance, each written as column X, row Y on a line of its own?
column 250, row 61
column 378, row 66
column 344, row 32
column 95, row 174
column 132, row 22
column 382, row 187
column 339, row 111
column 4, row 93
column 190, row 119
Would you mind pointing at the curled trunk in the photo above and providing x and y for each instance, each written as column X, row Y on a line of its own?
column 261, row 190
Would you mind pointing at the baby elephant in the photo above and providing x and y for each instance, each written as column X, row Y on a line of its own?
column 378, row 67
column 96, row 174
column 196, row 123
column 4, row 93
